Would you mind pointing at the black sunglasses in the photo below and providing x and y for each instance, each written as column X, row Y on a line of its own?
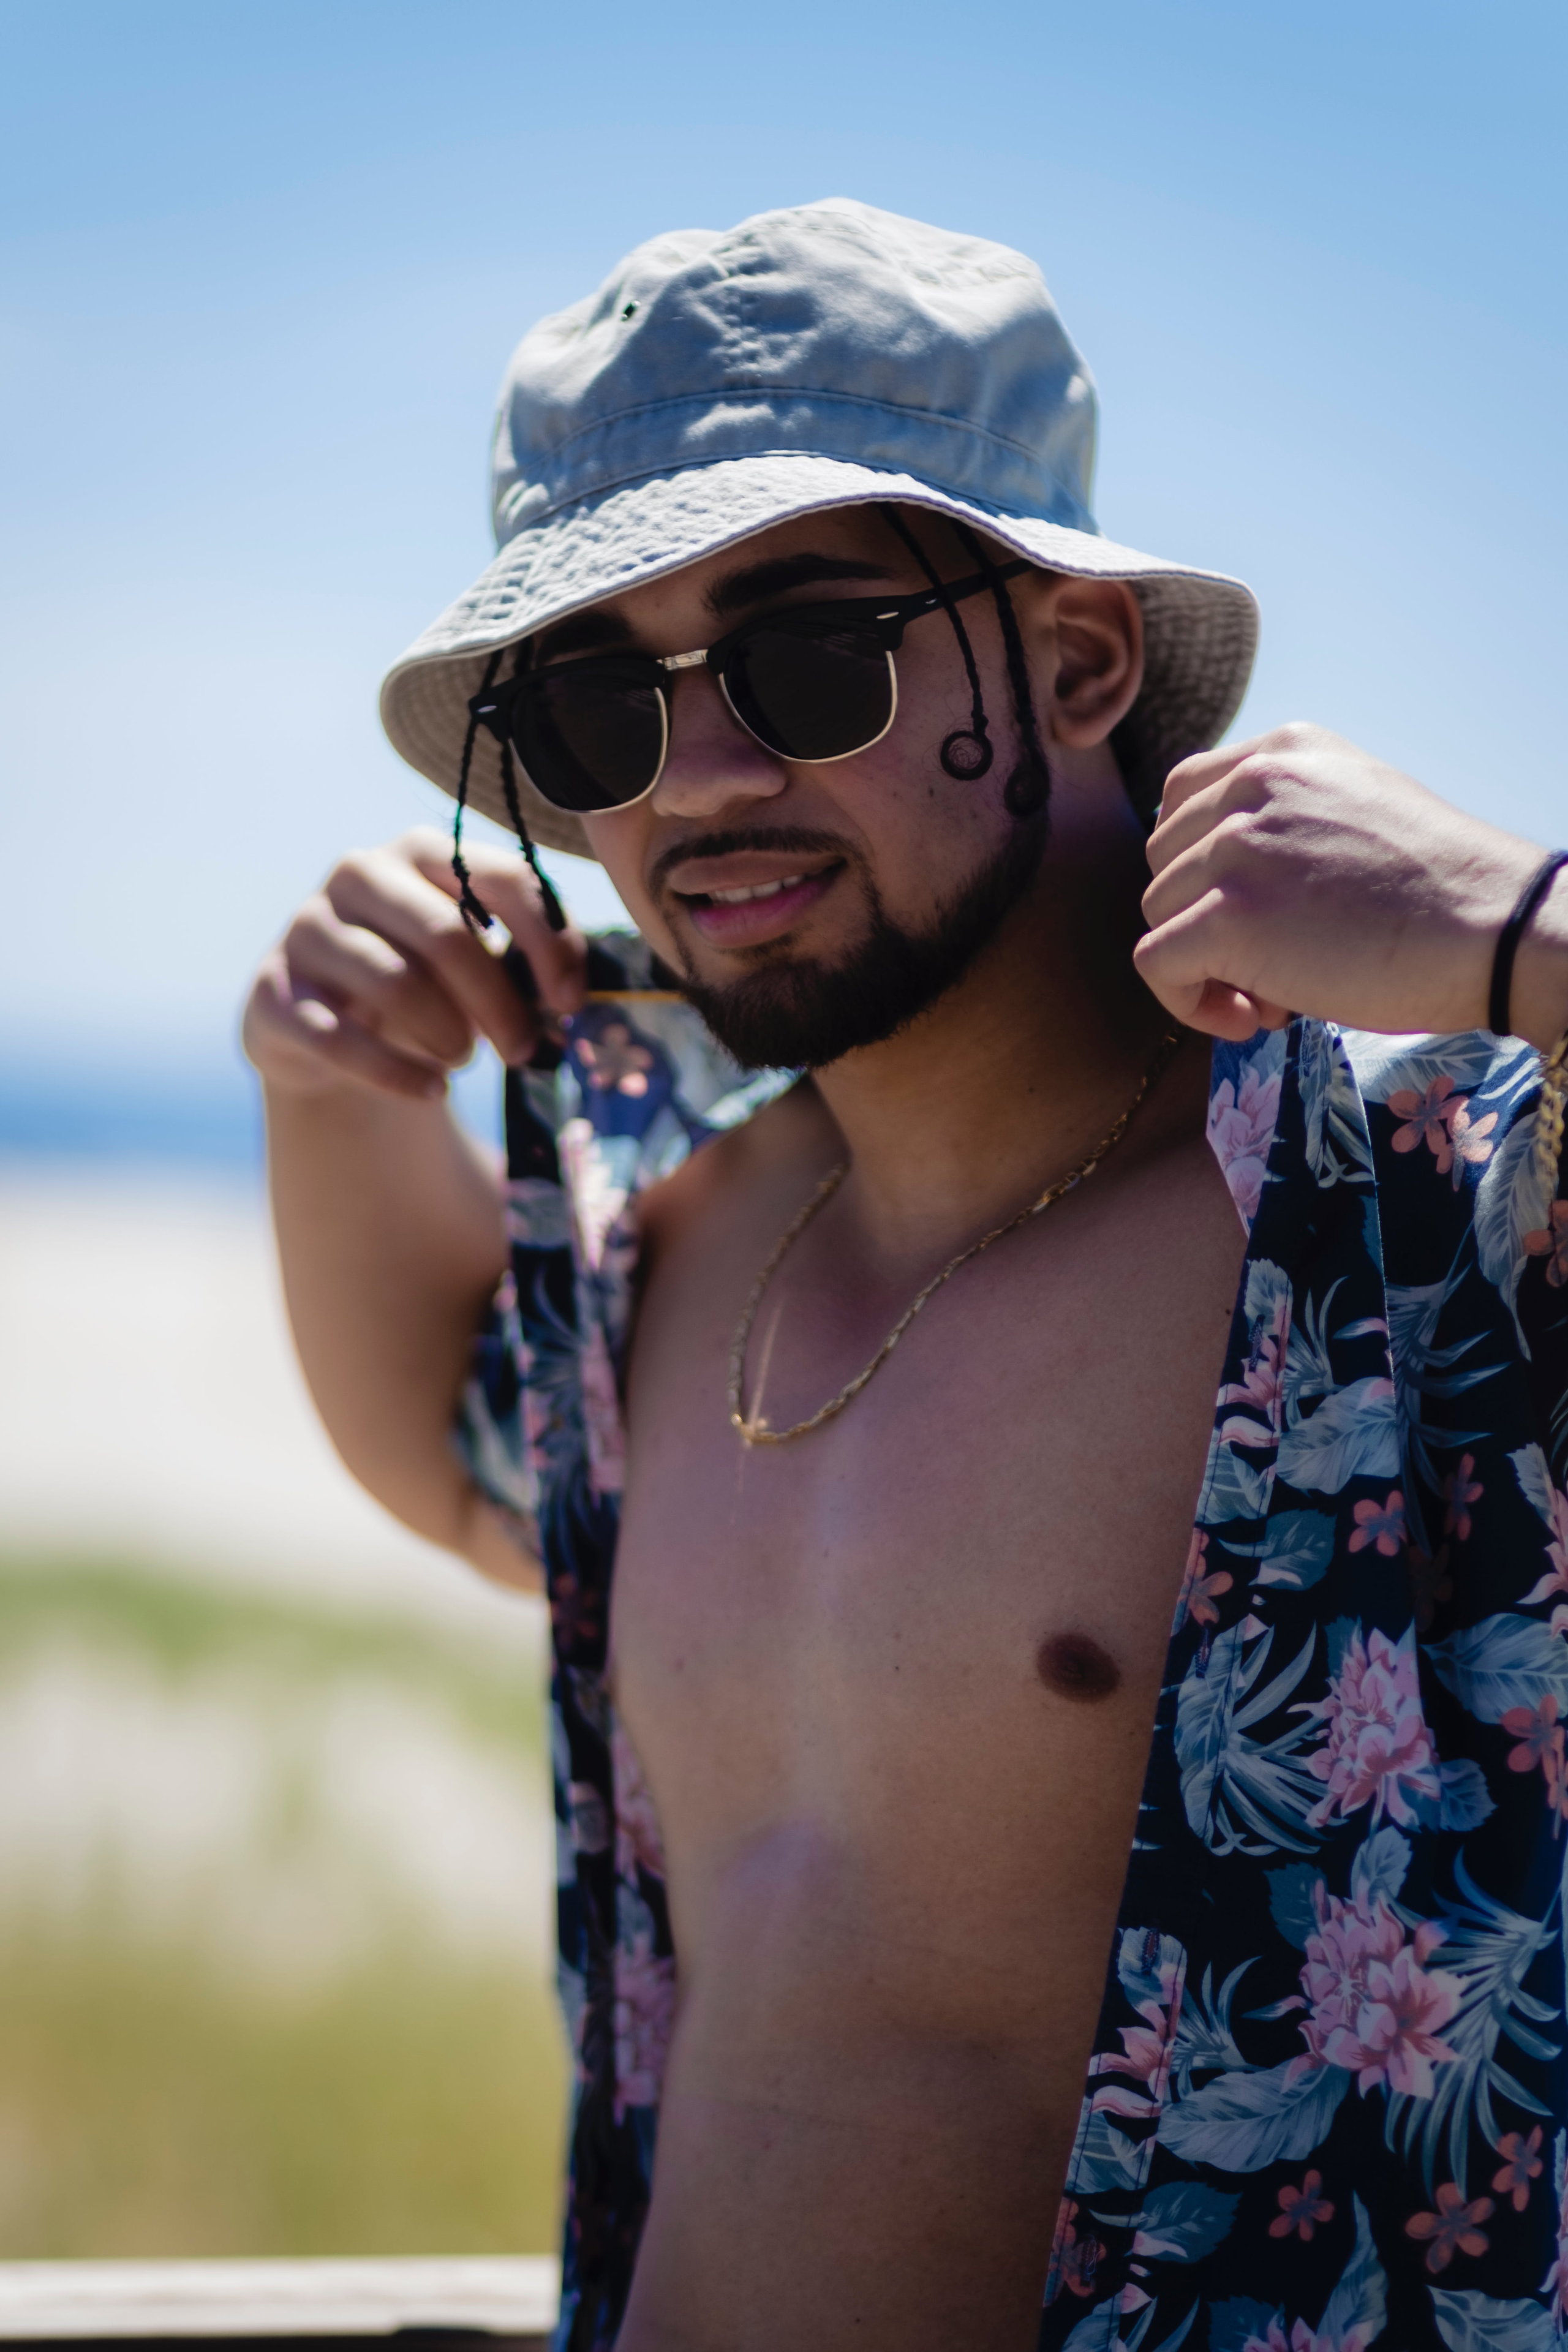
column 812, row 682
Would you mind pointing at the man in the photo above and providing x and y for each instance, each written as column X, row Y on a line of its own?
column 801, row 625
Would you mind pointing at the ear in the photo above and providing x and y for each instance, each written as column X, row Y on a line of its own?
column 1089, row 644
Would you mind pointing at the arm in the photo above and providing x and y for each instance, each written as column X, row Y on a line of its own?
column 1298, row 872
column 389, row 1218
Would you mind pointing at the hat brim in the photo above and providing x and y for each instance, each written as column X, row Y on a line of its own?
column 1200, row 627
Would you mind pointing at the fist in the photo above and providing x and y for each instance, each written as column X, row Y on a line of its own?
column 378, row 980
column 1296, row 874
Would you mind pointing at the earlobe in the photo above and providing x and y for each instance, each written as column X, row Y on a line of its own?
column 1097, row 627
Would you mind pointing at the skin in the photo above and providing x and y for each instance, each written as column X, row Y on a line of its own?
column 893, row 1685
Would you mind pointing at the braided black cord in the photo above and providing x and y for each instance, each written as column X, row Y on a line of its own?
column 475, row 914
column 554, row 913
column 976, row 732
column 1025, row 796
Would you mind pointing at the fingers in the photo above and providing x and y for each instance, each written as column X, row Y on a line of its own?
column 382, row 893
column 304, row 1042
column 1181, row 961
column 502, row 883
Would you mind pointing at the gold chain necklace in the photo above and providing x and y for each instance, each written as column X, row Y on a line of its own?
column 757, row 1433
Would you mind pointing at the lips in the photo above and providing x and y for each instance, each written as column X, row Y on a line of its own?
column 734, row 914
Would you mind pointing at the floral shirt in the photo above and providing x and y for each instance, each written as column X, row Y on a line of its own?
column 1327, row 2105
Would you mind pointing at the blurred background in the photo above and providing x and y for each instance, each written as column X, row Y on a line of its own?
column 274, row 1860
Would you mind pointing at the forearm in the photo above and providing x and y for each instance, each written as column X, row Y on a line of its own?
column 391, row 1239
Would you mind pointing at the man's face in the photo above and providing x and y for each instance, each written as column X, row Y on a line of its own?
column 814, row 908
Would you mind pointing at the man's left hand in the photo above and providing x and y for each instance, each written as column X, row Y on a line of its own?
column 1296, row 874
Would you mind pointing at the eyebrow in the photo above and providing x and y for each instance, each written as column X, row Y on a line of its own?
column 759, row 583
column 598, row 629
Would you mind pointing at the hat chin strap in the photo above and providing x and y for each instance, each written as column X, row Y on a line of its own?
column 967, row 752
column 478, row 916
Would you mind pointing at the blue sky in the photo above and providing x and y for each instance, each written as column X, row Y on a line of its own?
column 260, row 271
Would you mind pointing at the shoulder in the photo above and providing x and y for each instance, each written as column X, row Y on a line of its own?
column 749, row 1173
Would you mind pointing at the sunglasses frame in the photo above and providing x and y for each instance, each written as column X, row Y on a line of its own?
column 890, row 616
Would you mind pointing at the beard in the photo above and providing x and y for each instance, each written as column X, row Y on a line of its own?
column 805, row 1015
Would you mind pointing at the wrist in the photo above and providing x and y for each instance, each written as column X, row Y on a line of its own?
column 1539, row 1000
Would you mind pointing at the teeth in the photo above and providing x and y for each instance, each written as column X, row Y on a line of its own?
column 759, row 890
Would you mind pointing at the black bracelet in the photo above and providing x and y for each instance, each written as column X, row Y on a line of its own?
column 1509, row 939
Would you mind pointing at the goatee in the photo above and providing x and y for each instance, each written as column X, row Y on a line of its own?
column 804, row 1015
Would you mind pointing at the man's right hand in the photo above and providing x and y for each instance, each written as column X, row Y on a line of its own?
column 378, row 980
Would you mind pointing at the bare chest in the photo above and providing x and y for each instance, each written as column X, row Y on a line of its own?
column 930, row 1635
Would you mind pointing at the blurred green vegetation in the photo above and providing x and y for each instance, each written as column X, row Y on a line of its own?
column 159, row 2097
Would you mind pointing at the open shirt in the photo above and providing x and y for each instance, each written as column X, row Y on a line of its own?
column 1327, row 2099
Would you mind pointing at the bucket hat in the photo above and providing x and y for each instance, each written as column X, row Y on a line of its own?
column 829, row 354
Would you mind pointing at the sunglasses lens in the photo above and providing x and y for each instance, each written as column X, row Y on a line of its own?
column 817, row 692
column 588, row 738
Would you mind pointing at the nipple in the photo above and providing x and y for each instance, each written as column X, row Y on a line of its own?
column 1074, row 1667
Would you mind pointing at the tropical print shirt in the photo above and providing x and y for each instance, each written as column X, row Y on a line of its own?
column 1327, row 2104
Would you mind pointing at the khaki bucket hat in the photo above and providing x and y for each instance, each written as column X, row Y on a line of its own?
column 724, row 381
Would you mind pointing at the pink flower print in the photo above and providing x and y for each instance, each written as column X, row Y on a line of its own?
column 1145, row 2054
column 1556, row 1577
column 1469, row 1140
column 1073, row 2259
column 1380, row 1522
column 601, row 1423
column 1200, row 1591
column 639, row 1842
column 1521, row 2164
column 1240, row 1131
column 1428, row 1117
column 1537, row 1730
column 1377, row 1746
column 1556, row 1770
column 1301, row 2210
column 1397, row 2042
column 645, row 2017
column 1275, row 2341
column 1460, row 1493
column 1340, row 1952
column 1551, row 1242
column 1452, row 2228
column 1375, row 2007
column 615, row 1061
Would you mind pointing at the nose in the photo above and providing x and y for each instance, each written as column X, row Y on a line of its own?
column 713, row 761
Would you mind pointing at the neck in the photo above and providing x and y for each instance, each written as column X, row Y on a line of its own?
column 1015, row 1075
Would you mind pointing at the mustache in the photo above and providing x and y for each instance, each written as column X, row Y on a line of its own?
column 785, row 839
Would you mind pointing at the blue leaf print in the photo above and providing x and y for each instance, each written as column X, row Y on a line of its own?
column 1204, row 2041
column 1468, row 2322
column 1512, row 1199
column 1097, row 2330
column 1490, row 1949
column 1299, row 1549
column 1239, row 2122
column 1505, row 1661
column 1105, row 2161
column 1359, row 2303
column 1338, row 1147
column 1291, row 1901
column 1232, row 1488
column 1183, row 2220
column 1231, row 1784
column 1353, row 1434
column 1465, row 1801
column 1379, row 1868
column 1236, row 2323
column 1534, row 1472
